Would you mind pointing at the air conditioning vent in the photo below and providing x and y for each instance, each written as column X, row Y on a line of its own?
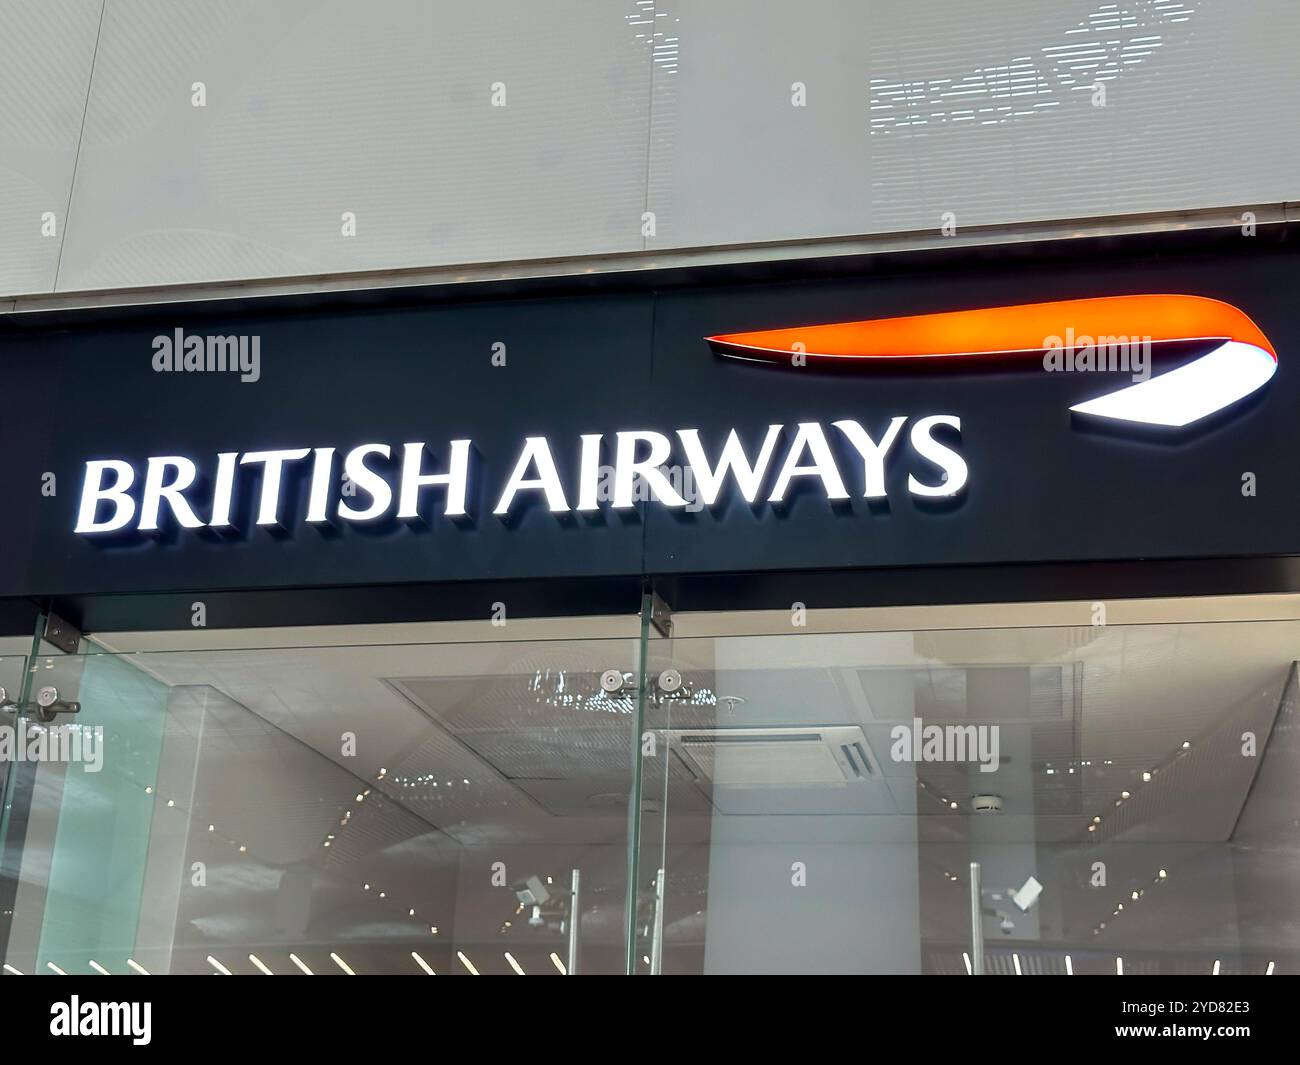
column 831, row 755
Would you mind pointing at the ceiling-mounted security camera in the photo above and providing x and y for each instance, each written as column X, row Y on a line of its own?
column 532, row 892
column 1027, row 895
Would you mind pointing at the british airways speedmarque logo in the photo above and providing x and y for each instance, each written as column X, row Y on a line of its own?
column 1240, row 360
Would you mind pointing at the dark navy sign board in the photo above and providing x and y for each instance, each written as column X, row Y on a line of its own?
column 1042, row 486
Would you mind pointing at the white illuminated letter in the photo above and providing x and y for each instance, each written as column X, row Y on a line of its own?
column 157, row 489
column 322, row 472
column 709, row 480
column 812, row 438
column 626, row 469
column 589, row 473
column 456, row 479
column 93, row 491
column 873, row 454
column 268, row 507
column 944, row 457
column 224, row 489
column 356, row 471
column 537, row 451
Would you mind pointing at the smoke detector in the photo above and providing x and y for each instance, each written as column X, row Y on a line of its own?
column 986, row 804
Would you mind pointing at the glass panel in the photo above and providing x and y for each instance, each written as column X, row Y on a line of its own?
column 99, row 809
column 388, row 808
column 15, row 775
column 1128, row 793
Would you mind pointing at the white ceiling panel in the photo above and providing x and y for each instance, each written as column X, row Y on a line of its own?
column 46, row 48
column 382, row 109
column 915, row 108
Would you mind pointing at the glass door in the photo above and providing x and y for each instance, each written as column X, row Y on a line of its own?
column 1021, row 799
column 449, row 808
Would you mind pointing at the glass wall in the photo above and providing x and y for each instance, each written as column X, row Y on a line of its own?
column 943, row 790
column 1109, row 798
column 381, row 808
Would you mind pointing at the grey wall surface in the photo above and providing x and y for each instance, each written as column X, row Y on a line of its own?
column 613, row 108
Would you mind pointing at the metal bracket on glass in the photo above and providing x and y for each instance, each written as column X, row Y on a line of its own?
column 616, row 682
column 671, row 685
column 45, row 708
column 61, row 634
column 661, row 616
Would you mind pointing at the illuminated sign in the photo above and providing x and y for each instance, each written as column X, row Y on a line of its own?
column 375, row 481
column 1112, row 333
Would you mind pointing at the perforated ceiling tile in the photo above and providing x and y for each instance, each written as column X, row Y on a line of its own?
column 381, row 110
column 997, row 112
column 45, row 57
